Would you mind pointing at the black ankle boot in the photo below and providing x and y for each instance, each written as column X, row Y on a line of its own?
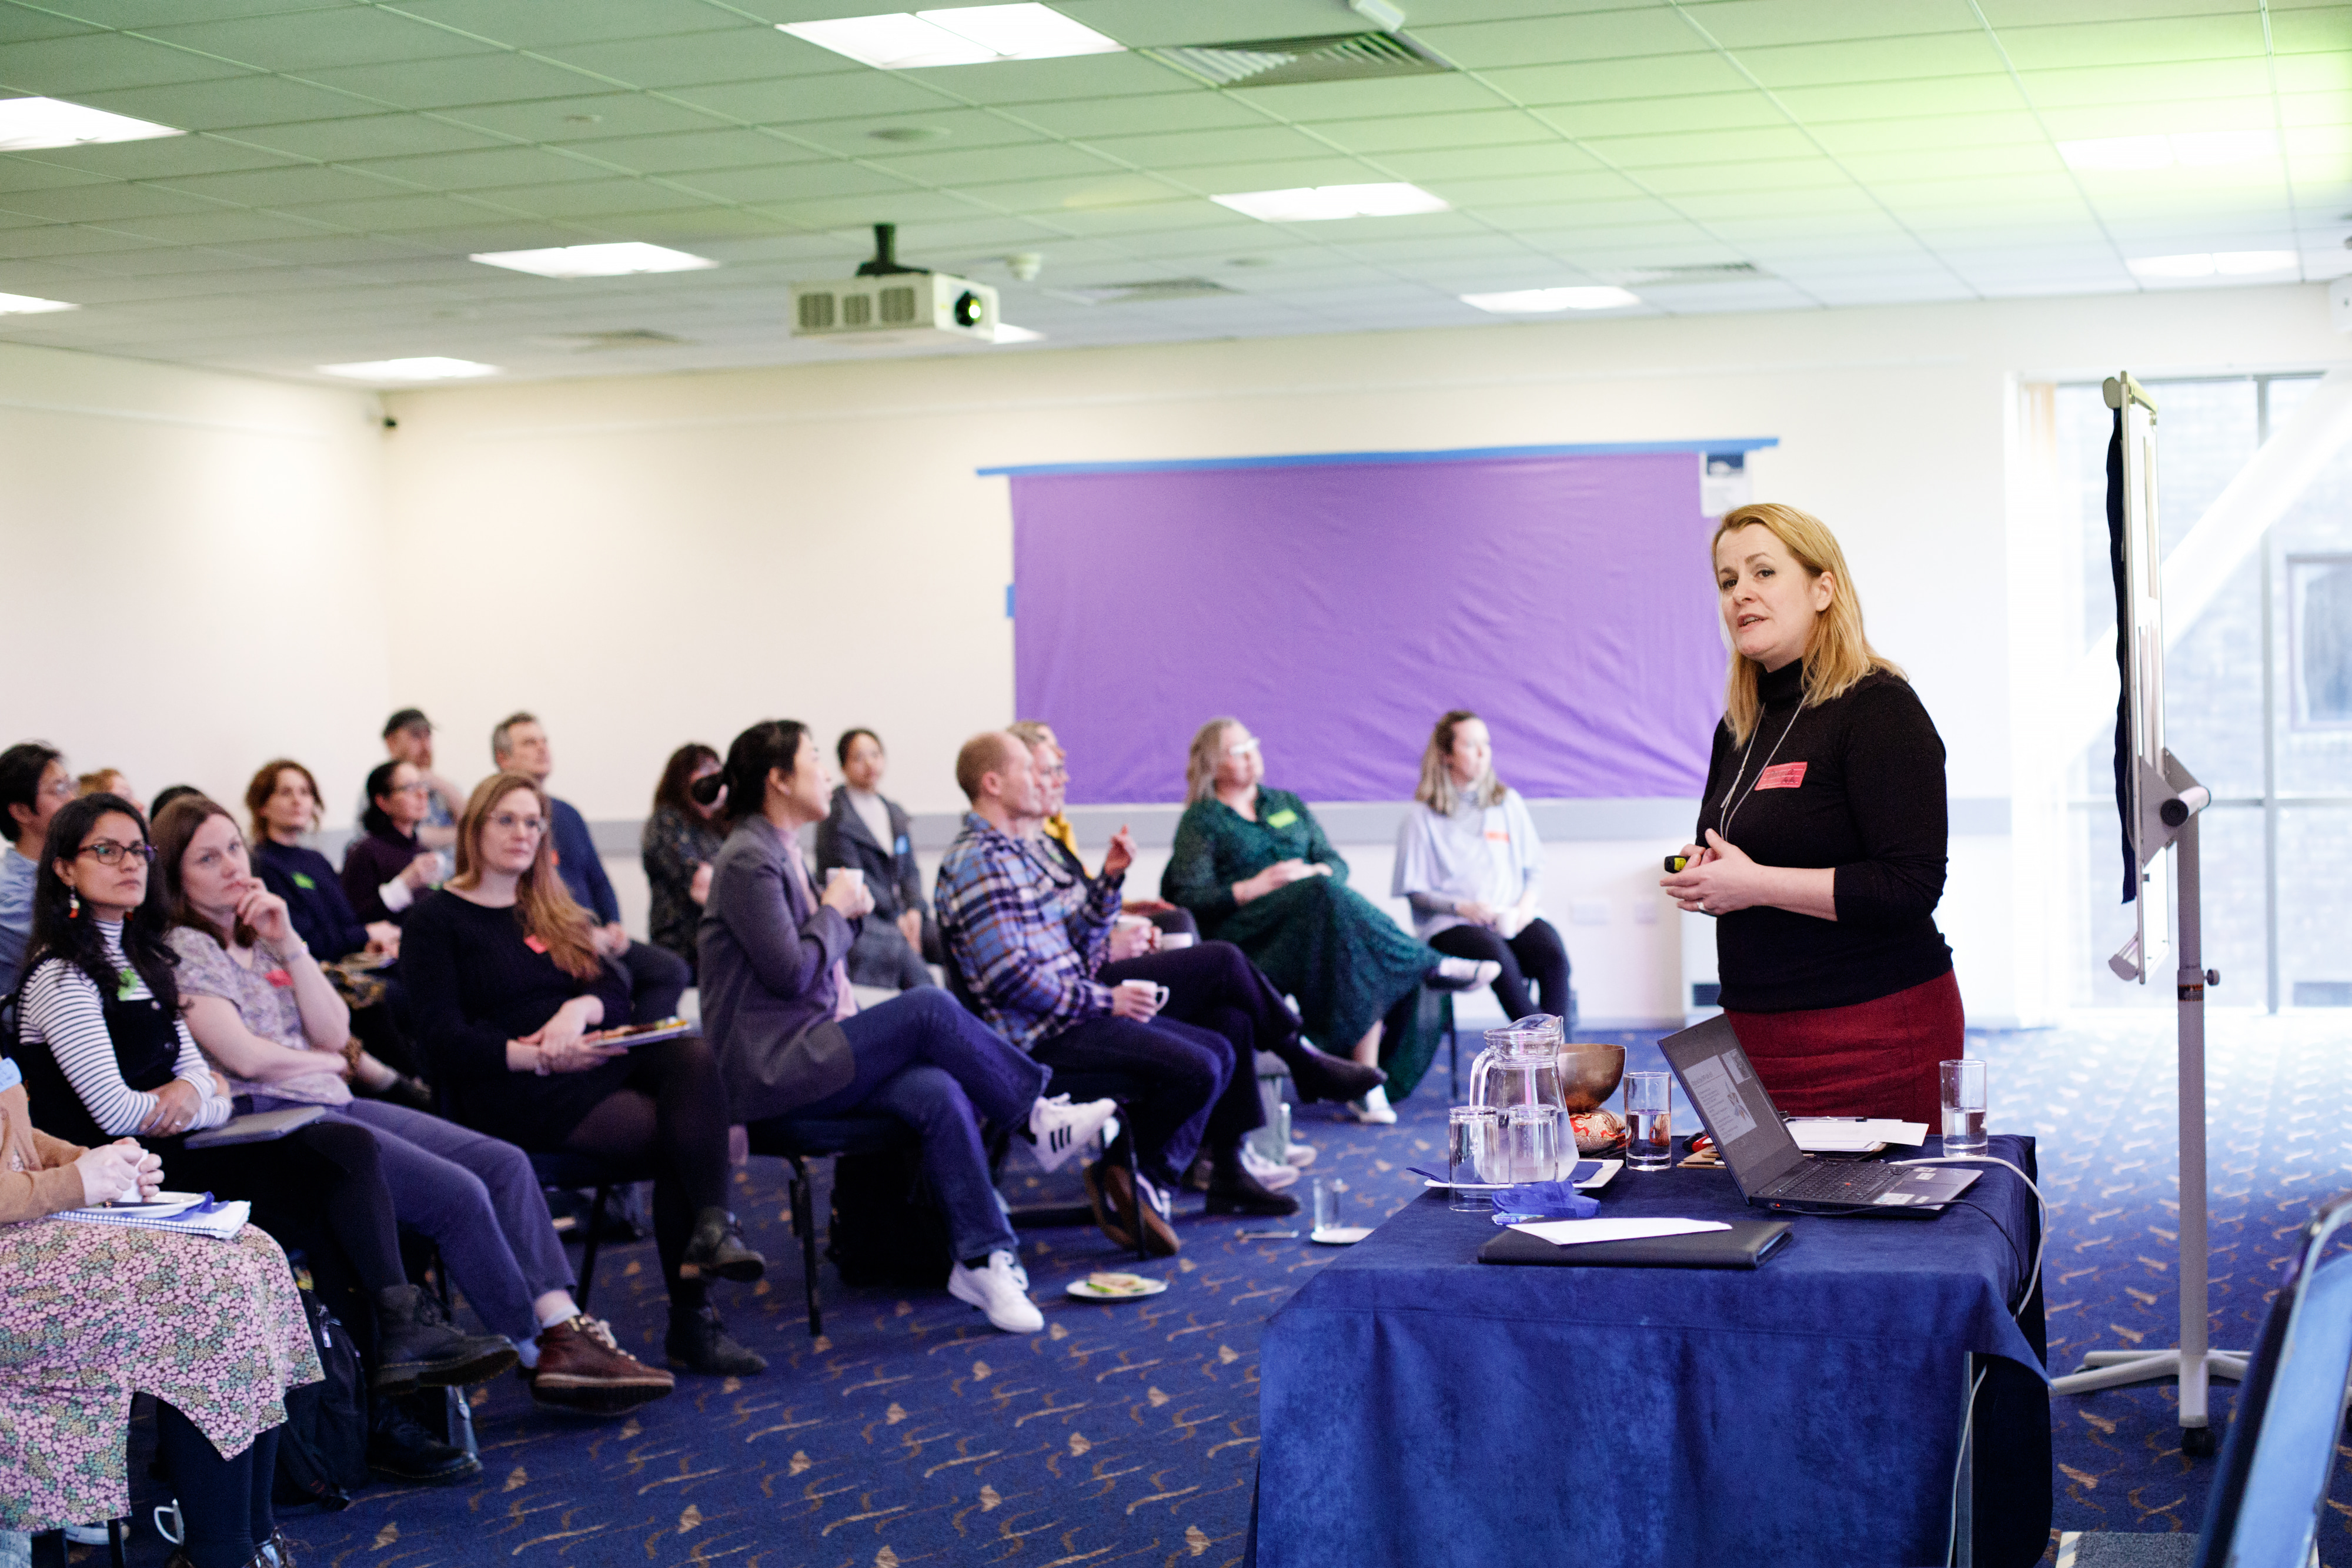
column 717, row 1252
column 1233, row 1190
column 399, row 1448
column 1320, row 1076
column 698, row 1342
column 418, row 1347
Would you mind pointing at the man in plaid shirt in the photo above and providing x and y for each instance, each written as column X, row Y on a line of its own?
column 1030, row 938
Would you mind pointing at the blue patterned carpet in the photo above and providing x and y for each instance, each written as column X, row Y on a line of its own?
column 1128, row 1434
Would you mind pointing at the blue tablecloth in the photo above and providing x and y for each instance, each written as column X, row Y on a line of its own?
column 1422, row 1409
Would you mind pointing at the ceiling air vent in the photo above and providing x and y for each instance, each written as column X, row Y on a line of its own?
column 622, row 338
column 1703, row 272
column 1143, row 293
column 1273, row 62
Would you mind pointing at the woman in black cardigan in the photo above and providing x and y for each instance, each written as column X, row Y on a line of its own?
column 1822, row 838
column 387, row 868
column 867, row 833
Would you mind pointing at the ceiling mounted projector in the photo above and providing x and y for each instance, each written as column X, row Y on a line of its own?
column 888, row 302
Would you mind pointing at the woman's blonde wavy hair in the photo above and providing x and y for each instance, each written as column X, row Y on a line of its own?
column 1201, row 761
column 1838, row 654
column 544, row 906
column 1437, row 789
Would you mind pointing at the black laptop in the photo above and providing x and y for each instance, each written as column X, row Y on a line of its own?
column 1765, row 1164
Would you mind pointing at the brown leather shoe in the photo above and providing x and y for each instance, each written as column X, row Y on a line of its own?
column 581, row 1368
column 1109, row 1190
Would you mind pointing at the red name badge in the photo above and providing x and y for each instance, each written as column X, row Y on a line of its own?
column 279, row 978
column 1787, row 776
column 534, row 944
column 1498, row 835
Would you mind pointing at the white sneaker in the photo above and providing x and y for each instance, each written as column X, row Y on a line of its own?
column 1299, row 1156
column 1060, row 1129
column 89, row 1534
column 1465, row 974
column 1372, row 1110
column 1272, row 1176
column 998, row 1291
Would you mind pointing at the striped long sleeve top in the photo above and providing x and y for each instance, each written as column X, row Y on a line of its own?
column 63, row 1011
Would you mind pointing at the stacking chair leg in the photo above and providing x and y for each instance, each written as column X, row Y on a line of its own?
column 588, row 1252
column 804, row 1221
column 1134, row 1191
column 114, row 1541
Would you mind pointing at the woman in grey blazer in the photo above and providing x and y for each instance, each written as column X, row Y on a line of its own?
column 868, row 833
column 791, row 1042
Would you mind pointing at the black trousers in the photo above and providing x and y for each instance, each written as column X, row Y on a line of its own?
column 1170, row 1075
column 1535, row 955
column 1213, row 985
column 658, row 978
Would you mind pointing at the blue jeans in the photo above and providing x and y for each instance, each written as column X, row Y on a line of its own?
column 478, row 1200
column 921, row 1058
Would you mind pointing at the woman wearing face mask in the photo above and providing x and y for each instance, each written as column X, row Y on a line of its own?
column 679, row 842
column 262, row 1010
column 1822, row 838
column 793, row 1042
column 1254, row 865
column 509, row 989
column 91, row 1315
column 866, row 833
column 106, row 1053
column 1472, row 869
column 387, row 868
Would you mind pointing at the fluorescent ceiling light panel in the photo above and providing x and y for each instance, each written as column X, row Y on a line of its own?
column 2239, row 263
column 27, row 123
column 613, row 260
column 2189, row 148
column 965, row 36
column 2225, row 263
column 1545, row 301
column 1315, row 204
column 424, row 368
column 25, row 305
column 1006, row 332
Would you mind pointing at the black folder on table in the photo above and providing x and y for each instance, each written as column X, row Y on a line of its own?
column 257, row 1127
column 1745, row 1245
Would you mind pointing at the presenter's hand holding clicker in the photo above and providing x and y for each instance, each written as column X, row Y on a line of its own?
column 1716, row 878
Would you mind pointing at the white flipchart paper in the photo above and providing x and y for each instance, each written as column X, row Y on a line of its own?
column 1570, row 1232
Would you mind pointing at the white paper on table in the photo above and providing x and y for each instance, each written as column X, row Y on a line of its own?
column 1847, row 1136
column 1570, row 1232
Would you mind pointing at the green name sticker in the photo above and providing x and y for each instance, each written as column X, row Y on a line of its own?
column 302, row 881
column 1282, row 819
column 126, row 985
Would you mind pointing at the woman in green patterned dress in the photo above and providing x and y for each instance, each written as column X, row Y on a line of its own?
column 1254, row 866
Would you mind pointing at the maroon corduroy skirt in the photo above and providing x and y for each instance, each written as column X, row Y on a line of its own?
column 1874, row 1059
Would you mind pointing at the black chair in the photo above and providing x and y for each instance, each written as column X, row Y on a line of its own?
column 798, row 1140
column 49, row 1546
column 567, row 1171
column 2270, row 1489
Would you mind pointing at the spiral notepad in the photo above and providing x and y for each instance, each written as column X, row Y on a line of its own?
column 189, row 1213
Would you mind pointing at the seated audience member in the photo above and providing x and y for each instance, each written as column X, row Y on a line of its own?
column 388, row 868
column 1472, row 868
column 106, row 781
column 1030, row 941
column 1254, row 865
column 1054, row 772
column 264, row 1014
column 166, row 795
column 866, row 834
column 508, row 986
column 676, row 848
column 106, row 1054
column 790, row 1041
column 33, row 784
column 283, row 798
column 656, row 978
column 91, row 1315
column 408, row 737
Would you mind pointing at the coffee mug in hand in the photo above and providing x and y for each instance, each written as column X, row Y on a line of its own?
column 854, row 874
column 1172, row 941
column 1157, row 993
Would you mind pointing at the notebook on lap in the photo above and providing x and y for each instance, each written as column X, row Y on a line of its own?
column 1765, row 1165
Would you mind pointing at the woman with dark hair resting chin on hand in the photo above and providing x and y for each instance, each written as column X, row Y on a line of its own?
column 508, row 986
column 1822, row 837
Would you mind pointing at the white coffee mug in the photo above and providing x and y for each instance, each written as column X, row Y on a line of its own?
column 855, row 873
column 1157, row 993
column 1174, row 941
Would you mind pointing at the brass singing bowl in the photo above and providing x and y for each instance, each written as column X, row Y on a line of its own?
column 1588, row 1074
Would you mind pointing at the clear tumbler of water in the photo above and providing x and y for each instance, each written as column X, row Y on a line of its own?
column 1530, row 1135
column 1963, row 1084
column 1649, row 1121
column 1327, row 1203
column 1470, row 1154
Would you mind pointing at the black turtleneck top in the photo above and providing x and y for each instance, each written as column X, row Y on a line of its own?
column 1856, row 784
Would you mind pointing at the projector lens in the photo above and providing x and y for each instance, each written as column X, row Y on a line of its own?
column 968, row 309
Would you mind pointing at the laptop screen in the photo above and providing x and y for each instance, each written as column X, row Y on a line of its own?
column 1716, row 1077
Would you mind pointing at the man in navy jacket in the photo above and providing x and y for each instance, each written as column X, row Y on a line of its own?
column 657, row 977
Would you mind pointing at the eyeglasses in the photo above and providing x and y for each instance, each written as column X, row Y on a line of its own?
column 63, row 789
column 106, row 852
column 1242, row 747
column 408, row 790
column 507, row 822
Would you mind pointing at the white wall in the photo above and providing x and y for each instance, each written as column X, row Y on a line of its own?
column 195, row 564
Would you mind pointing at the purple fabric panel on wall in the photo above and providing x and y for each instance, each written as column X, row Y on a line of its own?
column 1337, row 610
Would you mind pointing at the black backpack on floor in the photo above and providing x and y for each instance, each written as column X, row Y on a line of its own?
column 322, row 1452
column 884, row 1231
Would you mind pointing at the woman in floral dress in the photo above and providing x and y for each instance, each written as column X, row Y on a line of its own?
column 90, row 1314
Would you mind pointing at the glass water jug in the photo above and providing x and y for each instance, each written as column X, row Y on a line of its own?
column 1520, row 1067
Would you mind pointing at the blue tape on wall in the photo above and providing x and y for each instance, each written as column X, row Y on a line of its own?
column 1348, row 459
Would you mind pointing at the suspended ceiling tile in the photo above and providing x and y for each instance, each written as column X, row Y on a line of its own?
column 1430, row 132
column 1229, row 145
column 2300, row 110
column 355, row 136
column 255, row 100
column 52, row 239
column 311, row 248
column 1661, row 116
column 1310, row 103
column 537, row 25
column 1075, row 194
column 588, row 117
column 829, row 96
column 1917, row 59
column 2317, row 31
column 702, row 230
column 742, row 53
column 1593, row 36
column 27, row 173
column 20, row 24
column 907, row 207
column 1743, row 24
column 1991, row 92
column 2330, row 72
column 1684, row 148
column 1746, row 181
column 2005, row 14
column 854, row 136
column 2144, row 93
column 161, row 157
column 1997, row 134
column 788, row 183
column 1546, row 158
column 1189, row 107
column 597, row 202
column 1652, row 76
column 307, row 41
column 456, row 83
column 101, row 204
column 88, row 63
column 289, row 184
column 1049, row 81
column 391, row 214
column 483, row 169
column 957, row 166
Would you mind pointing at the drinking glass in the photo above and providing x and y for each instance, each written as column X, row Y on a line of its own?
column 1327, row 1204
column 1530, row 1143
column 1470, row 1154
column 1649, row 1121
column 1963, row 1084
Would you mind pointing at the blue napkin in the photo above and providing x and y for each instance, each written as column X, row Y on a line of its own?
column 1542, row 1200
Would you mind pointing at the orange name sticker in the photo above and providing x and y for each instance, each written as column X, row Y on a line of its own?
column 1787, row 776
column 1498, row 835
column 534, row 944
column 279, row 978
